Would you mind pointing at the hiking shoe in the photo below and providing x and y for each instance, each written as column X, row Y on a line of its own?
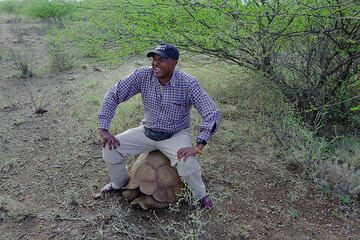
column 206, row 203
column 108, row 188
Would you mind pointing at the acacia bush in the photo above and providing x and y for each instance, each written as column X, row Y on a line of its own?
column 62, row 58
column 51, row 11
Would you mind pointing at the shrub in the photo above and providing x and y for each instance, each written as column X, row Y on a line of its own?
column 18, row 32
column 342, row 178
column 24, row 59
column 62, row 58
column 48, row 10
column 10, row 7
column 330, row 164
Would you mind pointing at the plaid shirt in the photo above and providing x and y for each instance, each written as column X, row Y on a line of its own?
column 167, row 111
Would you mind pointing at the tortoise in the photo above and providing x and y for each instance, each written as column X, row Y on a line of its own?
column 153, row 182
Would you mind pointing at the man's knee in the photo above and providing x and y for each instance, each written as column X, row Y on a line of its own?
column 112, row 156
column 188, row 167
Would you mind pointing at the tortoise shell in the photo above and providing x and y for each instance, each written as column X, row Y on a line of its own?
column 154, row 176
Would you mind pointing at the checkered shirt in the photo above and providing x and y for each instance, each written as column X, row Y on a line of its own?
column 167, row 111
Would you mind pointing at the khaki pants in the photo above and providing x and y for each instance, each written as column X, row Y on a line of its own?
column 134, row 142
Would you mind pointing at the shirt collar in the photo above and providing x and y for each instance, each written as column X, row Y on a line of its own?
column 174, row 78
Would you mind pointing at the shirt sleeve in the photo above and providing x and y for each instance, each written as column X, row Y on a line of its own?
column 120, row 92
column 207, row 109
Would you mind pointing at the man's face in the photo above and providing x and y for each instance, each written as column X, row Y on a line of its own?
column 163, row 67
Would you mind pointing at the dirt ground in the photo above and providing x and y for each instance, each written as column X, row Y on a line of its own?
column 51, row 166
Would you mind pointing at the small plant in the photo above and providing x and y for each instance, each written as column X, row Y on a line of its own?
column 72, row 197
column 18, row 121
column 345, row 200
column 294, row 214
column 18, row 33
column 24, row 59
column 191, row 228
column 36, row 100
column 3, row 202
column 186, row 197
column 336, row 214
column 99, row 234
column 243, row 232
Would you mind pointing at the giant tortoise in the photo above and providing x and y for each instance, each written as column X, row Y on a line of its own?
column 153, row 182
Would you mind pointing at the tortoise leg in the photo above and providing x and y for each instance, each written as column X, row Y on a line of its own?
column 131, row 194
column 141, row 202
column 146, row 202
column 153, row 203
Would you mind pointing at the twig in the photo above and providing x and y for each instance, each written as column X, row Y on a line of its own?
column 86, row 161
column 21, row 236
column 54, row 235
column 4, row 176
column 58, row 218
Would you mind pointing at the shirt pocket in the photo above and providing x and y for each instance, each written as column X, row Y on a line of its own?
column 175, row 111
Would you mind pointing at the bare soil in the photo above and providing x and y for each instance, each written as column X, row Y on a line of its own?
column 51, row 166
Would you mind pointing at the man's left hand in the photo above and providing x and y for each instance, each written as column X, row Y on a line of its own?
column 184, row 153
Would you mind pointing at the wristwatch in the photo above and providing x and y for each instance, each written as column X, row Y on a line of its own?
column 201, row 141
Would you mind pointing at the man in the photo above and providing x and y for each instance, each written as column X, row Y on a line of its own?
column 167, row 96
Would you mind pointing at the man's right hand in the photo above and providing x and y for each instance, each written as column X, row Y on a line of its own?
column 108, row 139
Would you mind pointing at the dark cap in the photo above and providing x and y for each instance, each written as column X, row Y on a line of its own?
column 165, row 51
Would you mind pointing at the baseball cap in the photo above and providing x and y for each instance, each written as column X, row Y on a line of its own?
column 165, row 50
